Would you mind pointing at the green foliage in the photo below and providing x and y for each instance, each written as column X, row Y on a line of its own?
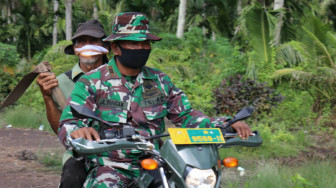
column 7, row 84
column 58, row 60
column 26, row 117
column 276, row 143
column 9, row 59
column 310, row 65
column 51, row 160
column 8, row 55
column 235, row 93
column 32, row 25
column 197, row 64
column 272, row 174
column 294, row 111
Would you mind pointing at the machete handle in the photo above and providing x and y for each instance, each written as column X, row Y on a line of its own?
column 56, row 91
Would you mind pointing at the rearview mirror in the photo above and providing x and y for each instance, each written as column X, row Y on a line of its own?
column 241, row 115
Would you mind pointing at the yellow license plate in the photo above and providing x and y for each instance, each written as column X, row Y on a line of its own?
column 196, row 136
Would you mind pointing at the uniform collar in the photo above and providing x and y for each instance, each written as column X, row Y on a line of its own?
column 76, row 71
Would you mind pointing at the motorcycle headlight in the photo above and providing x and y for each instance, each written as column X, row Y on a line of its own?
column 197, row 178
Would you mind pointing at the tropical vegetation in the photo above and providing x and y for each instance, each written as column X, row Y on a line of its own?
column 278, row 55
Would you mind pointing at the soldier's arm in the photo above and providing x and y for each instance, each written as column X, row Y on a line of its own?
column 181, row 114
column 46, row 82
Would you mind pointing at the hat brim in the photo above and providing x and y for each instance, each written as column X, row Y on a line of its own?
column 91, row 33
column 133, row 37
column 69, row 50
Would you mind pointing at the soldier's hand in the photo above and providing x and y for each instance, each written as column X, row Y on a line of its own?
column 46, row 81
column 243, row 130
column 88, row 133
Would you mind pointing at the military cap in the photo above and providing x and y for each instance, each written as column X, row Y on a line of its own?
column 133, row 26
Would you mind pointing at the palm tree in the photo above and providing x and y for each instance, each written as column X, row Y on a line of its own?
column 278, row 4
column 68, row 19
column 181, row 18
column 316, row 70
column 33, row 27
column 56, row 4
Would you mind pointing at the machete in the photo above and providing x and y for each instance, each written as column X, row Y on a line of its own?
column 25, row 82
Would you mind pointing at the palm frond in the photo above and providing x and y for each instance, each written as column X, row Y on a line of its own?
column 326, row 75
column 289, row 55
column 320, row 45
column 295, row 76
column 331, row 38
column 257, row 26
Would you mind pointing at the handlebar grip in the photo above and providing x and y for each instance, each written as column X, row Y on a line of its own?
column 252, row 141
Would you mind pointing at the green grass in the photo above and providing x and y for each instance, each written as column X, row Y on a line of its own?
column 25, row 117
column 312, row 174
column 52, row 160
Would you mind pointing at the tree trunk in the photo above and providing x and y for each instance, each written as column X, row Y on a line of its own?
column 239, row 11
column 68, row 19
column 213, row 36
column 29, row 52
column 9, row 14
column 181, row 18
column 278, row 4
column 13, row 16
column 13, row 8
column 55, row 22
column 95, row 11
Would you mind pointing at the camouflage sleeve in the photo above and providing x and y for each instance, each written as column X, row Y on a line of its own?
column 183, row 115
column 83, row 93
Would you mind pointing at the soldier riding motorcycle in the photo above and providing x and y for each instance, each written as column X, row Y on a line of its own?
column 189, row 159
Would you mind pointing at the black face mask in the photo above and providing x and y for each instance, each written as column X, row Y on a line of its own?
column 133, row 58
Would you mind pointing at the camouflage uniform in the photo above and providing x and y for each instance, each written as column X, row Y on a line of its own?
column 143, row 103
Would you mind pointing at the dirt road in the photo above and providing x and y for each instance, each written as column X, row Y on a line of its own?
column 18, row 149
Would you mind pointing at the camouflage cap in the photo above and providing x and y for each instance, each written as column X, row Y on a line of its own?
column 132, row 26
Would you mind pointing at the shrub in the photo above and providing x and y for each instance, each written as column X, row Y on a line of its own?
column 8, row 76
column 197, row 64
column 234, row 93
column 8, row 55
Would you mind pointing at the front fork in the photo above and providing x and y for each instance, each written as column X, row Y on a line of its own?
column 164, row 178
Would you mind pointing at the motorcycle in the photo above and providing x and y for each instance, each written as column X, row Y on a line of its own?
column 190, row 158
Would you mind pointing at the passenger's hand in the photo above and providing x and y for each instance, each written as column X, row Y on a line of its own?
column 243, row 130
column 88, row 133
column 46, row 81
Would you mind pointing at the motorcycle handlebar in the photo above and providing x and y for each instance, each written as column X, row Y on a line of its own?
column 253, row 141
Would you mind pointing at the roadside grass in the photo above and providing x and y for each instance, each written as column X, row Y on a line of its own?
column 287, row 144
column 25, row 117
column 311, row 174
column 51, row 160
column 263, row 166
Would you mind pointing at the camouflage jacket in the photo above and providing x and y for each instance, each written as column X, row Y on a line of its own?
column 143, row 104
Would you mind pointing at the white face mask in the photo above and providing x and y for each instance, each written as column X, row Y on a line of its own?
column 91, row 50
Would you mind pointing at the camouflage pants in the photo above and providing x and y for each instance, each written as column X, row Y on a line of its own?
column 105, row 176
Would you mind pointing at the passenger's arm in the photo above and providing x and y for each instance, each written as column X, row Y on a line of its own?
column 46, row 82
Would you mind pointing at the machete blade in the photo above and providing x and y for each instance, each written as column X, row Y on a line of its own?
column 19, row 89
